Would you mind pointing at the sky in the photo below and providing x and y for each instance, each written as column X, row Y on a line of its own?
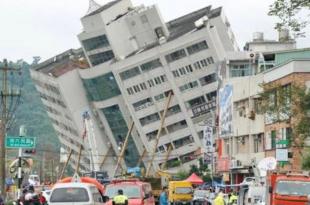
column 48, row 27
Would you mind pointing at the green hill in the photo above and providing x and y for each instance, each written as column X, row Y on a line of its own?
column 32, row 114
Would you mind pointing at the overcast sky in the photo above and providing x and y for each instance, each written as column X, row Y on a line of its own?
column 49, row 27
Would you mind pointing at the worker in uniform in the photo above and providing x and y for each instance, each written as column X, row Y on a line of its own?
column 219, row 200
column 233, row 199
column 120, row 198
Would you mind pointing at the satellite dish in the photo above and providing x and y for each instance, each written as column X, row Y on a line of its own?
column 266, row 164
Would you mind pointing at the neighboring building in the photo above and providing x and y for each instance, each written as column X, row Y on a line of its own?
column 244, row 144
column 62, row 93
column 137, row 59
column 292, row 69
column 259, row 44
column 244, row 72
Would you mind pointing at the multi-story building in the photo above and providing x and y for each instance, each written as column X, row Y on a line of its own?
column 245, row 144
column 291, row 72
column 62, row 93
column 136, row 60
column 132, row 74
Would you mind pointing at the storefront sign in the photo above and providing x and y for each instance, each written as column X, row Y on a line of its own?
column 282, row 155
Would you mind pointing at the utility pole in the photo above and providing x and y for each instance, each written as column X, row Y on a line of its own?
column 52, row 171
column 43, row 176
column 22, row 133
column 10, row 94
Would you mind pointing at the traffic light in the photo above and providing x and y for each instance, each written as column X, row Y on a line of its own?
column 29, row 151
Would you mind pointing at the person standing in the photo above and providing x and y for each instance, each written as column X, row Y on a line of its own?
column 233, row 199
column 1, row 200
column 120, row 198
column 163, row 198
column 219, row 200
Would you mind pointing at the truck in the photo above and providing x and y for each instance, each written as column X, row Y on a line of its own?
column 180, row 192
column 289, row 188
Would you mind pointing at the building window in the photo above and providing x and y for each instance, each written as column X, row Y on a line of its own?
column 175, row 55
column 149, row 119
column 130, row 91
column 208, row 79
column 197, row 65
column 183, row 141
column 162, row 95
column 195, row 102
column 136, row 88
column 240, row 70
column 101, row 88
column 151, row 83
column 152, row 135
column 150, row 65
column 95, row 43
column 210, row 60
column 211, row 96
column 160, row 79
column 182, row 71
column 143, row 86
column 177, row 126
column 258, row 143
column 285, row 135
column 188, row 86
column 273, row 139
column 189, row 68
column 172, row 111
column 176, row 73
column 119, row 130
column 99, row 58
column 143, row 104
column 130, row 73
column 197, row 47
column 204, row 63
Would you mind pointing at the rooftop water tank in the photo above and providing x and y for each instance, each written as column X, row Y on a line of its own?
column 258, row 36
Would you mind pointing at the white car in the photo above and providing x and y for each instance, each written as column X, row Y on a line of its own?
column 75, row 193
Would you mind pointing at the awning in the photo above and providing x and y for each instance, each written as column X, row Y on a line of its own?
column 194, row 179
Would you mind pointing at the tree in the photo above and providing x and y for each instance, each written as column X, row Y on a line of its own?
column 291, row 104
column 288, row 13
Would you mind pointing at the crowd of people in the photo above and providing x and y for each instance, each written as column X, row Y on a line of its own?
column 29, row 197
column 214, row 198
column 219, row 199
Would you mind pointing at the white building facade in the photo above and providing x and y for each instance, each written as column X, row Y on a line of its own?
column 136, row 60
column 244, row 72
column 62, row 93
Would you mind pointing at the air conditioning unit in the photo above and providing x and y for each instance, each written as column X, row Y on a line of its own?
column 234, row 164
column 251, row 115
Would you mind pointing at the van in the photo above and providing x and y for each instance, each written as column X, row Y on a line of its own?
column 138, row 192
column 75, row 194
column 180, row 192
